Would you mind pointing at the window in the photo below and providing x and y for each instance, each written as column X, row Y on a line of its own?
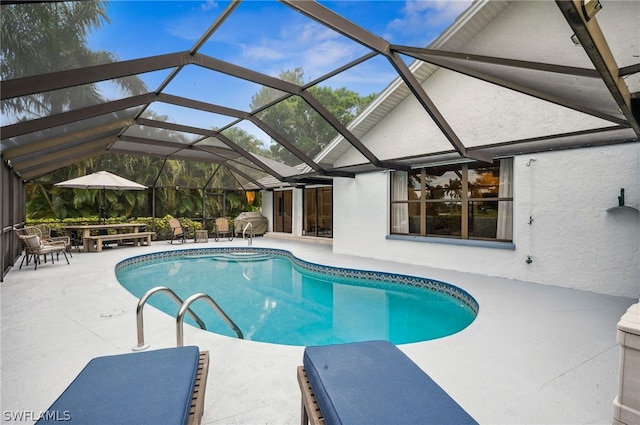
column 282, row 207
column 318, row 212
column 470, row 201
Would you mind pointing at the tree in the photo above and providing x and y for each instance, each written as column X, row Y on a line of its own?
column 43, row 37
column 247, row 141
column 485, row 183
column 47, row 201
column 298, row 123
column 39, row 38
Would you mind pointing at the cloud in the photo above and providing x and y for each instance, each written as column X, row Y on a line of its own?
column 318, row 49
column 271, row 42
column 191, row 25
column 365, row 79
column 262, row 52
column 310, row 46
column 326, row 56
column 422, row 21
column 311, row 32
column 209, row 5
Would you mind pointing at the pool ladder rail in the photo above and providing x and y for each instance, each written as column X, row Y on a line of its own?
column 244, row 231
column 184, row 309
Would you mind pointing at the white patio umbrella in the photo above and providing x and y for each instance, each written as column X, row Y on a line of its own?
column 101, row 180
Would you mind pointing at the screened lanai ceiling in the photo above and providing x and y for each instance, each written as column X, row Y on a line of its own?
column 209, row 89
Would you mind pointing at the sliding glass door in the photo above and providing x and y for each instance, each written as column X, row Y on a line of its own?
column 318, row 212
column 282, row 211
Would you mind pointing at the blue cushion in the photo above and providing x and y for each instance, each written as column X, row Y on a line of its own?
column 152, row 387
column 373, row 382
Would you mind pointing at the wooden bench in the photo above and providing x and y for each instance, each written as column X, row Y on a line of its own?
column 138, row 238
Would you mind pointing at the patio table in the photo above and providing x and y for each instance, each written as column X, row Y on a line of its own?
column 87, row 228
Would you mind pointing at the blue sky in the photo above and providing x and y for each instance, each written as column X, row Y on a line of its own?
column 268, row 37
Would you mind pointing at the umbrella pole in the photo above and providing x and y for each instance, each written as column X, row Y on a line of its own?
column 103, row 219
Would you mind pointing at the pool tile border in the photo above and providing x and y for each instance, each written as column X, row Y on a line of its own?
column 343, row 275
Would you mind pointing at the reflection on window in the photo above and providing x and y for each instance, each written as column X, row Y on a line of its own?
column 318, row 212
column 282, row 207
column 471, row 201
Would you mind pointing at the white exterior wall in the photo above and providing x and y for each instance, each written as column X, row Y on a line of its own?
column 573, row 241
column 482, row 113
column 267, row 208
column 408, row 131
column 297, row 213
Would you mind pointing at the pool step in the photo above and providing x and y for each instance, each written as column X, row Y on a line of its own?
column 242, row 256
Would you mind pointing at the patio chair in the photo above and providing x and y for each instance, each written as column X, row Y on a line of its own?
column 177, row 231
column 38, row 230
column 46, row 234
column 75, row 239
column 61, row 235
column 223, row 229
column 27, row 254
column 34, row 247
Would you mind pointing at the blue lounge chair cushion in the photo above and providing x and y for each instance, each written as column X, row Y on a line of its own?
column 373, row 382
column 152, row 387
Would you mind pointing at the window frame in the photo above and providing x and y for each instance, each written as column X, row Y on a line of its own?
column 313, row 196
column 465, row 199
column 283, row 211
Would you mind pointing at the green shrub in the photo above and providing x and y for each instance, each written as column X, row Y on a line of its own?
column 162, row 228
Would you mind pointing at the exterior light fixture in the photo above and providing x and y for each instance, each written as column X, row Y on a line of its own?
column 590, row 8
column 575, row 41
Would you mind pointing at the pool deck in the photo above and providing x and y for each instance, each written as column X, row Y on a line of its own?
column 535, row 354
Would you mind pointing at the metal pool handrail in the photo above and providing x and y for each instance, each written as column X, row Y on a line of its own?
column 185, row 308
column 141, row 303
column 249, row 224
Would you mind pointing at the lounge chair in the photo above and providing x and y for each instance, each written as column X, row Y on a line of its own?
column 34, row 247
column 223, row 229
column 160, row 387
column 177, row 231
column 371, row 382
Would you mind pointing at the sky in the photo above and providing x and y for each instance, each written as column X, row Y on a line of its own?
column 265, row 36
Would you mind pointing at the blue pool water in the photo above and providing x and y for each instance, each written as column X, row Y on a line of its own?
column 275, row 297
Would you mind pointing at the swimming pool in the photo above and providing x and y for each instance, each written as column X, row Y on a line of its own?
column 276, row 297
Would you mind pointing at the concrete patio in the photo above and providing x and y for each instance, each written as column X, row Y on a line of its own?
column 535, row 354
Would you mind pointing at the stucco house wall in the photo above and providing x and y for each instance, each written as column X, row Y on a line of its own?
column 482, row 113
column 267, row 209
column 573, row 240
column 561, row 198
